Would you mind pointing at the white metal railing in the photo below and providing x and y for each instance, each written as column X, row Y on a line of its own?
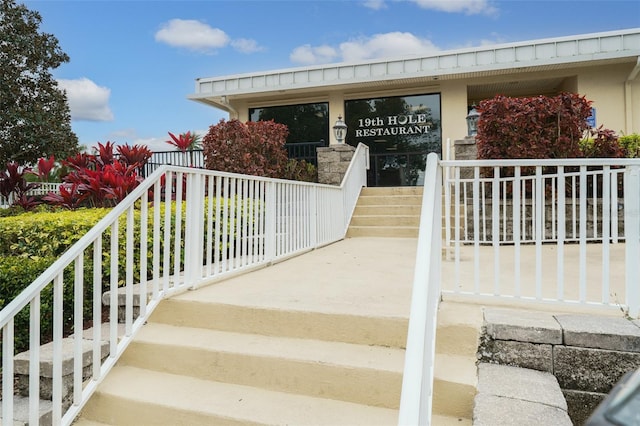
column 512, row 213
column 417, row 379
column 485, row 208
column 192, row 226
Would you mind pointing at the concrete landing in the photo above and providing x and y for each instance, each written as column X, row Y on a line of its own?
column 356, row 276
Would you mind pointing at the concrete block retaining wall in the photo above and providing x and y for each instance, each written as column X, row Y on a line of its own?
column 587, row 354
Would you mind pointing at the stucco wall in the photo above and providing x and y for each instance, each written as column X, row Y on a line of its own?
column 617, row 100
column 605, row 86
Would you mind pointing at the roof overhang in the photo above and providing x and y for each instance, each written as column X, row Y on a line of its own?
column 532, row 56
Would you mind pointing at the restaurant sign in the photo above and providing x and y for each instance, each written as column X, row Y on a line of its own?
column 393, row 125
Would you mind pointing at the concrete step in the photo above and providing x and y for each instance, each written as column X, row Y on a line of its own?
column 85, row 422
column 385, row 220
column 459, row 328
column 383, row 231
column 454, row 385
column 395, row 200
column 393, row 190
column 438, row 420
column 362, row 374
column 133, row 396
column 283, row 322
column 411, row 210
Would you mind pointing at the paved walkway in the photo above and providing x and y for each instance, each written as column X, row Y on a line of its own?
column 358, row 276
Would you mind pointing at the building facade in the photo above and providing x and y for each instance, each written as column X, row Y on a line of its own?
column 403, row 108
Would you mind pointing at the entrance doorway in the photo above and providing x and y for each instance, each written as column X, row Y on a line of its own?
column 400, row 131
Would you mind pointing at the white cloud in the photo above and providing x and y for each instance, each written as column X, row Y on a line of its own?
column 195, row 35
column 154, row 144
column 309, row 55
column 192, row 34
column 130, row 136
column 374, row 4
column 470, row 7
column 378, row 46
column 87, row 100
column 386, row 45
column 246, row 45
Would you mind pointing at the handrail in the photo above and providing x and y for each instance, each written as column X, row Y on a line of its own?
column 355, row 178
column 417, row 379
column 181, row 216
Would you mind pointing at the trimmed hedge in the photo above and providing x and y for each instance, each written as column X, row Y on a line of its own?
column 30, row 242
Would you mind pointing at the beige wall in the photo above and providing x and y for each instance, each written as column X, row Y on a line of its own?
column 605, row 86
column 617, row 101
column 453, row 101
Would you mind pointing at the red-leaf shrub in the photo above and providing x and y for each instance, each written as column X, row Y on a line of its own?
column 602, row 143
column 136, row 155
column 45, row 169
column 100, row 180
column 13, row 181
column 184, row 142
column 536, row 127
column 253, row 148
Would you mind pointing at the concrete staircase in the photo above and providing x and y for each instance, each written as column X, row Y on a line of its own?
column 203, row 363
column 387, row 212
column 316, row 340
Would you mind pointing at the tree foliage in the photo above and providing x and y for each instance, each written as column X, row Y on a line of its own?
column 254, row 148
column 35, row 118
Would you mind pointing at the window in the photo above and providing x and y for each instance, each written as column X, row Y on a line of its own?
column 400, row 131
column 306, row 122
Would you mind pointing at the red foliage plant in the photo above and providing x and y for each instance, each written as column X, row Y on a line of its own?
column 252, row 148
column 136, row 155
column 100, row 180
column 13, row 181
column 535, row 127
column 185, row 141
column 45, row 169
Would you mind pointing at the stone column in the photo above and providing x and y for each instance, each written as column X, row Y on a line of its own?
column 466, row 149
column 333, row 162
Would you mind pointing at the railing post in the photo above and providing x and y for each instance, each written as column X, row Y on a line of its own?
column 313, row 217
column 270, row 213
column 632, row 238
column 194, row 230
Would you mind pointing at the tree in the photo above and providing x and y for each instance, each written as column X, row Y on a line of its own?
column 34, row 113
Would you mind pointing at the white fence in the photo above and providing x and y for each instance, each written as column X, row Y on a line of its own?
column 512, row 229
column 509, row 215
column 179, row 229
column 43, row 189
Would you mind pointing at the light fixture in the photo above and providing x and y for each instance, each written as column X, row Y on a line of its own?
column 472, row 121
column 340, row 130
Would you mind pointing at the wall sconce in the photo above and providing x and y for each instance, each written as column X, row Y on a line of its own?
column 340, row 130
column 472, row 121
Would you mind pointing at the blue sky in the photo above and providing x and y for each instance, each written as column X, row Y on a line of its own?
column 134, row 62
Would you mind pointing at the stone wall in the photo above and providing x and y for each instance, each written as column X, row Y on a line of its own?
column 550, row 224
column 588, row 354
column 333, row 162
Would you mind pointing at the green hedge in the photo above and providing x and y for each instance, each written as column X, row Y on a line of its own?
column 45, row 234
column 30, row 242
column 631, row 144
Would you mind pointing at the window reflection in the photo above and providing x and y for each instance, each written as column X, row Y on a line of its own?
column 399, row 131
